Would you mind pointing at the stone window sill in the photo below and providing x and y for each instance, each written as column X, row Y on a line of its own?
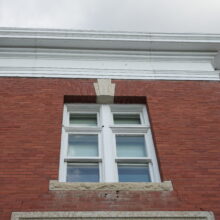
column 164, row 186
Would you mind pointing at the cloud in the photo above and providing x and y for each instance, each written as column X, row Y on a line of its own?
column 117, row 15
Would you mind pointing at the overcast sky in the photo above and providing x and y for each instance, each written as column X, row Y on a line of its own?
column 197, row 16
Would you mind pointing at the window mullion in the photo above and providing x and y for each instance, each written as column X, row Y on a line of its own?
column 107, row 143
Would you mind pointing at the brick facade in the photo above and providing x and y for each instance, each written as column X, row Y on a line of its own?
column 185, row 120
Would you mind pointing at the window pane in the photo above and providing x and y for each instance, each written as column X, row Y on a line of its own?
column 130, row 146
column 83, row 145
column 82, row 172
column 127, row 119
column 133, row 173
column 83, row 119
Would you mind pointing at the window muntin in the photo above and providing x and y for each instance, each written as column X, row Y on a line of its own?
column 99, row 136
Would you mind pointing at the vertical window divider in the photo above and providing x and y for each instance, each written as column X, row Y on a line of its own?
column 100, row 152
column 107, row 143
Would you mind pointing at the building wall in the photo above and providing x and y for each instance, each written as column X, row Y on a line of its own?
column 185, row 120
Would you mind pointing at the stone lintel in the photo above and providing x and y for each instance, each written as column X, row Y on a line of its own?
column 113, row 215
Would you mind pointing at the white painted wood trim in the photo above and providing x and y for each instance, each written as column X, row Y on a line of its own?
column 83, row 160
column 109, row 165
column 62, row 34
column 136, row 160
column 81, row 73
column 129, row 129
column 109, row 55
column 82, row 129
column 63, row 147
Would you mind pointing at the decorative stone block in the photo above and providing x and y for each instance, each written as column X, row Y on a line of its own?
column 105, row 91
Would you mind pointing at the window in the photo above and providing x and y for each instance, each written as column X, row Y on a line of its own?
column 107, row 143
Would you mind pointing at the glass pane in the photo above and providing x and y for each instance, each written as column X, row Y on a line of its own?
column 130, row 146
column 83, row 119
column 82, row 172
column 127, row 119
column 133, row 173
column 83, row 145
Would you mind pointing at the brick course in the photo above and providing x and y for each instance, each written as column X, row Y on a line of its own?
column 185, row 119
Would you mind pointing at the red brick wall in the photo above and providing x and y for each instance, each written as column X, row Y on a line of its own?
column 185, row 117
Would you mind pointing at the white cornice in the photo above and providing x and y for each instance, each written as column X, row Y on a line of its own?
column 58, row 38
column 116, row 55
column 105, row 54
column 108, row 73
column 107, row 35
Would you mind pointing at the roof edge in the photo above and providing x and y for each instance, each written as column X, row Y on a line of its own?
column 41, row 33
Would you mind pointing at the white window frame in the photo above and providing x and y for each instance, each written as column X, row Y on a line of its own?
column 107, row 130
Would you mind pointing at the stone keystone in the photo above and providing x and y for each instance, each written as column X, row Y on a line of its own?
column 105, row 91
